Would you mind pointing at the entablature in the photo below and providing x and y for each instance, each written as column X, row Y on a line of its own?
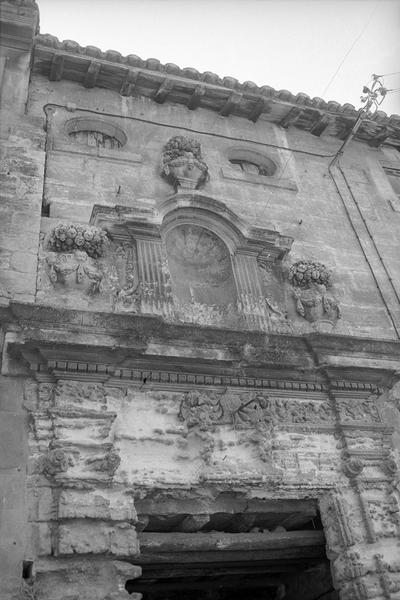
column 140, row 349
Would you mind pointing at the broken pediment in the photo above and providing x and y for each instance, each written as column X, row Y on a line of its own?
column 196, row 260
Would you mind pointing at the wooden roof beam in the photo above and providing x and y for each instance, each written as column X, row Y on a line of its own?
column 380, row 137
column 231, row 103
column 196, row 97
column 57, row 68
column 345, row 127
column 165, row 88
column 220, row 541
column 291, row 117
column 319, row 125
column 170, row 570
column 91, row 74
column 260, row 106
column 226, row 582
column 129, row 83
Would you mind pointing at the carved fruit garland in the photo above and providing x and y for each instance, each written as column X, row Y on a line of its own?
column 66, row 238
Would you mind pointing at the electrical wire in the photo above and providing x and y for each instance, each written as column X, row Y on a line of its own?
column 349, row 50
column 188, row 129
column 389, row 74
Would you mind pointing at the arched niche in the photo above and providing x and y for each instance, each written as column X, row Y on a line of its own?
column 176, row 280
column 200, row 266
column 224, row 228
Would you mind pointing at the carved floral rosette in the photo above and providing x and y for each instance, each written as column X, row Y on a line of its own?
column 69, row 237
column 314, row 301
column 182, row 163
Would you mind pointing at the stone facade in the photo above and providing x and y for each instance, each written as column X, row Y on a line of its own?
column 199, row 316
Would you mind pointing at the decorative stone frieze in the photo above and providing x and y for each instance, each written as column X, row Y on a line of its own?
column 182, row 163
column 311, row 282
column 352, row 409
column 207, row 408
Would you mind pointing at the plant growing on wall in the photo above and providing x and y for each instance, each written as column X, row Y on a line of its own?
column 67, row 238
column 182, row 163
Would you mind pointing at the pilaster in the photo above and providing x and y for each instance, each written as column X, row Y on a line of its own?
column 361, row 518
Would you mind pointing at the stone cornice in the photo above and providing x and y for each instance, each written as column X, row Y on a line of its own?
column 120, row 346
column 131, row 76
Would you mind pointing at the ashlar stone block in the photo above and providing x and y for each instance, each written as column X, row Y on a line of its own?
column 97, row 537
column 96, row 504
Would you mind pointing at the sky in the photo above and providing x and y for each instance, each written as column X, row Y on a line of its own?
column 296, row 45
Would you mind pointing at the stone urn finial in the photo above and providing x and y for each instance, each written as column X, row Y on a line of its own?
column 182, row 163
column 314, row 302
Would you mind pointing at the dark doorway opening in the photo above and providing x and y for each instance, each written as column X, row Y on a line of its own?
column 273, row 550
